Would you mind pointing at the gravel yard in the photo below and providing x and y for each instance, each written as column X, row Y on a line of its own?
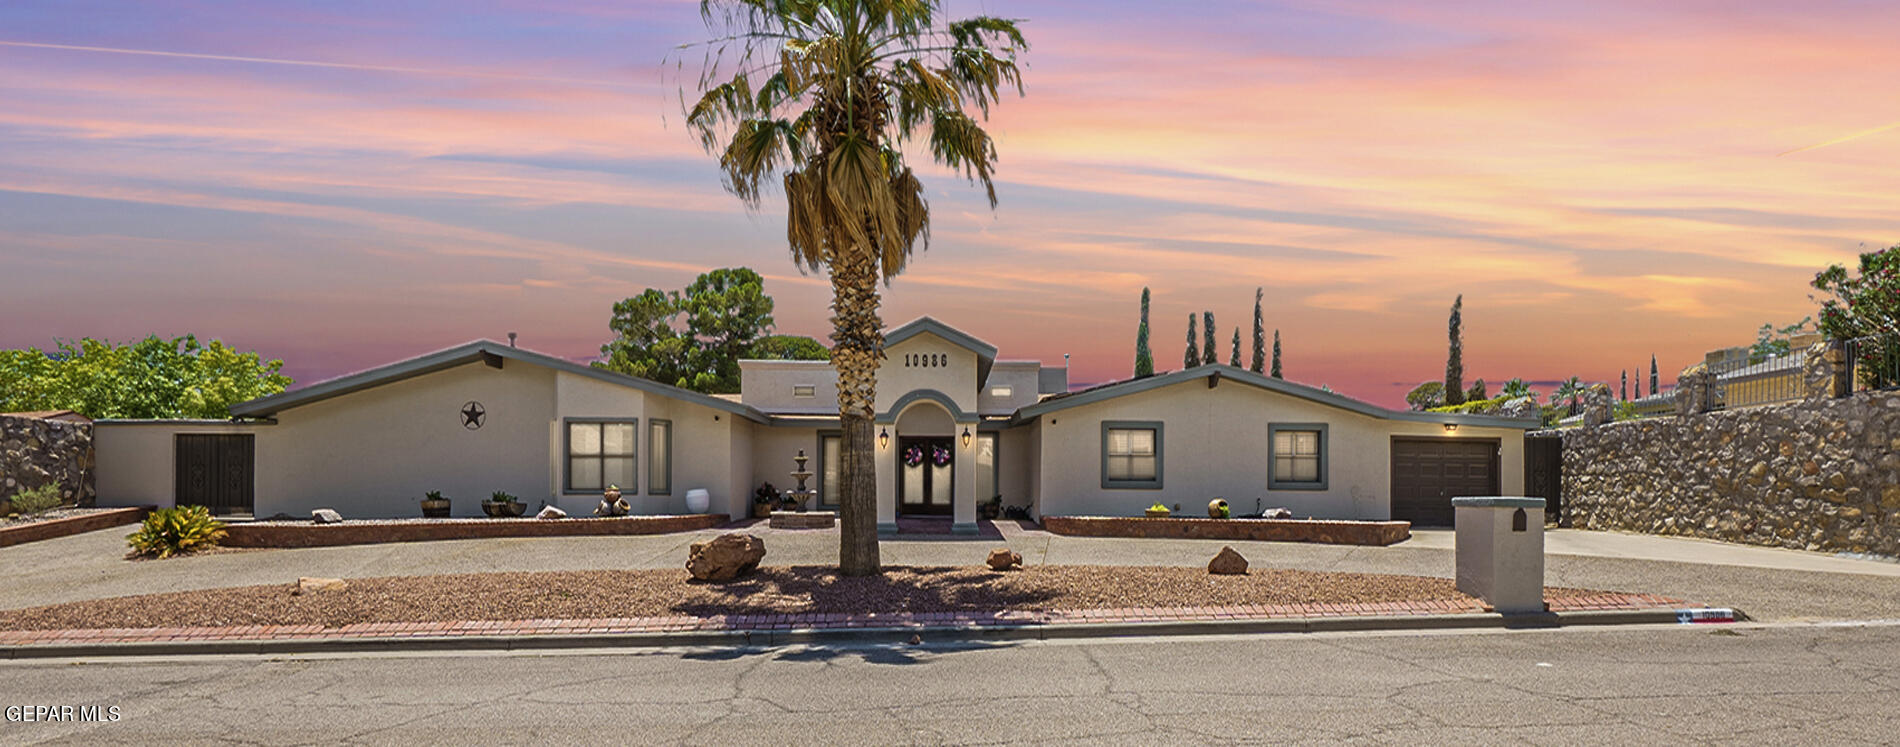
column 776, row 589
column 57, row 513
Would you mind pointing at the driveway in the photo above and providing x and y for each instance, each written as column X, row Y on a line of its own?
column 1766, row 583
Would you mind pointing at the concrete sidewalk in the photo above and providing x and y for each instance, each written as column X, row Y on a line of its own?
column 1769, row 584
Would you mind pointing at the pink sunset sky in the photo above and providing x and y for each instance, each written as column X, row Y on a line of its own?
column 343, row 184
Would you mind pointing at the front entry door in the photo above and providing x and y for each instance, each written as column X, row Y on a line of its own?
column 926, row 487
column 215, row 471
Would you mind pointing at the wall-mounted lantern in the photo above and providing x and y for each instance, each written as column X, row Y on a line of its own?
column 966, row 436
column 884, row 438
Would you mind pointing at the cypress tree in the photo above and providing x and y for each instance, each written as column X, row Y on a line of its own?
column 1626, row 386
column 1455, row 362
column 1259, row 336
column 1209, row 354
column 1655, row 381
column 1276, row 355
column 1235, row 359
column 1193, row 357
column 1144, row 358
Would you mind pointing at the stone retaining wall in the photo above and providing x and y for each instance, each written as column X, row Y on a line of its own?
column 1816, row 475
column 272, row 534
column 1264, row 530
column 34, row 452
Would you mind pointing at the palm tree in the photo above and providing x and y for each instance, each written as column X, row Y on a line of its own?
column 821, row 98
column 1571, row 389
column 1515, row 388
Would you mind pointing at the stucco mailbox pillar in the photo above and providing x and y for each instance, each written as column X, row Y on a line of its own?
column 1501, row 551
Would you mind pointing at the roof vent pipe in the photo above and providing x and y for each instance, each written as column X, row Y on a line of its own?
column 511, row 339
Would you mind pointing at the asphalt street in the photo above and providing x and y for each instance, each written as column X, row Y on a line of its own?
column 1780, row 684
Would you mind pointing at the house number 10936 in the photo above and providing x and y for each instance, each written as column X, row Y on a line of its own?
column 926, row 360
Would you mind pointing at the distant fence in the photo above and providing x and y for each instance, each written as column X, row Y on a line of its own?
column 1870, row 364
column 1753, row 381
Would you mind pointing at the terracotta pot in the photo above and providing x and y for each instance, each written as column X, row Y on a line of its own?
column 761, row 510
column 435, row 509
column 1162, row 514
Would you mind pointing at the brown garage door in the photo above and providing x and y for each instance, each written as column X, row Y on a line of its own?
column 1428, row 472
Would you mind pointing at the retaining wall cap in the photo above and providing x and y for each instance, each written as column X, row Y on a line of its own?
column 1498, row 501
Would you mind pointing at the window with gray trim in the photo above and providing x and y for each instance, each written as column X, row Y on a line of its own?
column 830, row 446
column 1296, row 456
column 1131, row 454
column 659, row 457
column 601, row 453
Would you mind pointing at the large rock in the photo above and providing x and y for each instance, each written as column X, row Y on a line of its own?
column 725, row 557
column 1227, row 563
column 551, row 513
column 310, row 585
column 326, row 516
column 1003, row 559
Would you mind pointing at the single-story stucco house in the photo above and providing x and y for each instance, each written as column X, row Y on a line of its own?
column 955, row 427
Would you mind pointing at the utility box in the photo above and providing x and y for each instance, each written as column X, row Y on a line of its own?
column 1501, row 551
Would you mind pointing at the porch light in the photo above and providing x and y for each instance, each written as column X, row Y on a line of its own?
column 884, row 438
column 966, row 437
column 1451, row 427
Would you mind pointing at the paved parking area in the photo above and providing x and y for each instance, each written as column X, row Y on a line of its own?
column 1766, row 583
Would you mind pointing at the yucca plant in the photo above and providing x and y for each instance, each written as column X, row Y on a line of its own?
column 176, row 531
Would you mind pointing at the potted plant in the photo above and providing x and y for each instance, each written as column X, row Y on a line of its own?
column 502, row 505
column 1158, row 511
column 763, row 500
column 434, row 506
column 1217, row 509
column 990, row 509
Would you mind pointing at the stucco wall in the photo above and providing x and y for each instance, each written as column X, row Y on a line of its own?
column 1815, row 476
column 772, row 452
column 1014, row 460
column 375, row 452
column 957, row 380
column 1022, row 379
column 767, row 385
column 136, row 462
column 1215, row 444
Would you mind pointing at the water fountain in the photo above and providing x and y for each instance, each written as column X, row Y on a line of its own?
column 802, row 518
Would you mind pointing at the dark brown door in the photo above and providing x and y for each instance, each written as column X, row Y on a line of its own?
column 1544, row 471
column 1428, row 472
column 926, row 487
column 215, row 471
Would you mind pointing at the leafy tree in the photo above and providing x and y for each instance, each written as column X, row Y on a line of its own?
column 822, row 99
column 1866, row 304
column 1276, row 355
column 151, row 378
column 1570, row 389
column 1476, row 392
column 1772, row 341
column 1208, row 353
column 1514, row 389
column 1426, row 396
column 1455, row 361
column 788, row 348
column 725, row 313
column 1144, row 358
column 1260, row 336
column 1234, row 360
column 1193, row 356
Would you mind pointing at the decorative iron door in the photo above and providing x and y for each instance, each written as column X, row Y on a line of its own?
column 215, row 471
column 1544, row 471
column 926, row 475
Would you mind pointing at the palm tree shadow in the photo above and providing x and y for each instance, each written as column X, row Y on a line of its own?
column 818, row 589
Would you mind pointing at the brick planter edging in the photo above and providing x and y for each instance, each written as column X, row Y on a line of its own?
column 1331, row 532
column 424, row 530
column 71, row 525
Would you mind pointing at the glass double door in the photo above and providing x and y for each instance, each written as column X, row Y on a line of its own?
column 926, row 475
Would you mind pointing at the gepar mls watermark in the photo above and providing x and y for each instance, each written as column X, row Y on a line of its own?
column 19, row 714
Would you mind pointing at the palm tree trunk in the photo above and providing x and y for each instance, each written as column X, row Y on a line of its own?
column 858, row 339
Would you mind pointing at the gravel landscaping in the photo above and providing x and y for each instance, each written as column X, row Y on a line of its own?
column 778, row 589
column 57, row 513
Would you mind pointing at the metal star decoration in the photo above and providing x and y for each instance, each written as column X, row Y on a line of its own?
column 473, row 415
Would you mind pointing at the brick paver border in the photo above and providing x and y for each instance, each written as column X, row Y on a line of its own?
column 804, row 621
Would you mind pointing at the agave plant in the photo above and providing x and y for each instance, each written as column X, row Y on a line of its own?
column 820, row 97
column 176, row 531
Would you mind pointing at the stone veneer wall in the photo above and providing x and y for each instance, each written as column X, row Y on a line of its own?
column 1817, row 475
column 34, row 452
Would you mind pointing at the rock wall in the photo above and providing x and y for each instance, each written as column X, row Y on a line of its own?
column 1819, row 475
column 34, row 452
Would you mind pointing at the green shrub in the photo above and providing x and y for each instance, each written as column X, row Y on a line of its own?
column 36, row 501
column 176, row 531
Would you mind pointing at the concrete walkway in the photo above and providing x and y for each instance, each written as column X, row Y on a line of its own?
column 1765, row 583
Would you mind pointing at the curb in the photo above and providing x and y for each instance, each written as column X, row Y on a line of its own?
column 890, row 635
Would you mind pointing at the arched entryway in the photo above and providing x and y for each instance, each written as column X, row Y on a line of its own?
column 926, row 460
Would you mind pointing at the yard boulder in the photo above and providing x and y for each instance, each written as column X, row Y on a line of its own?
column 551, row 513
column 1227, row 563
column 326, row 516
column 1003, row 559
column 725, row 557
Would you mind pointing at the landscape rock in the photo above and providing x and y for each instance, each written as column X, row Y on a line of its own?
column 1227, row 563
column 551, row 513
column 35, row 452
column 326, row 516
column 311, row 585
column 725, row 557
column 1003, row 559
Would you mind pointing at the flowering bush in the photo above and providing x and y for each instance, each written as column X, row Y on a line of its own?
column 1866, row 305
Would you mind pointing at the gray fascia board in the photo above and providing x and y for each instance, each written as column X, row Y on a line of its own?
column 1281, row 386
column 469, row 353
